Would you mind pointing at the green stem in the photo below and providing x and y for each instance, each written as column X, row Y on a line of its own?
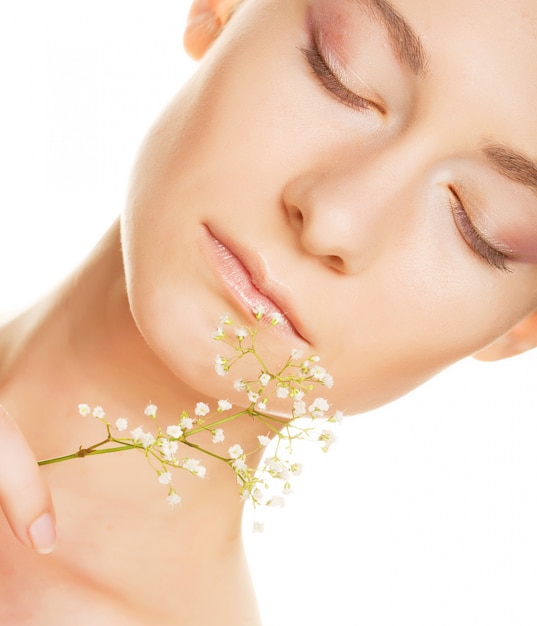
column 83, row 452
column 215, row 456
column 212, row 425
column 259, row 359
column 264, row 419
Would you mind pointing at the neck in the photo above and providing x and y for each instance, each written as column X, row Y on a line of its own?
column 80, row 344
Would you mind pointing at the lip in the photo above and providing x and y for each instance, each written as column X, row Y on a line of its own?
column 246, row 277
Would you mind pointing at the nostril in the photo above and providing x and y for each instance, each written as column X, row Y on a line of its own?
column 296, row 219
column 335, row 262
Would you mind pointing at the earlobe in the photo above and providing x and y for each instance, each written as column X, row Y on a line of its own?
column 204, row 23
column 519, row 339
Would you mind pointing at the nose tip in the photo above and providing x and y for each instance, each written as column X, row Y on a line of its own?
column 313, row 240
column 347, row 219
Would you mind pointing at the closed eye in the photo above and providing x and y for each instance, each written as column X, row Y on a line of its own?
column 473, row 238
column 331, row 82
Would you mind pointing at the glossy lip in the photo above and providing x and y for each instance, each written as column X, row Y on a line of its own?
column 246, row 277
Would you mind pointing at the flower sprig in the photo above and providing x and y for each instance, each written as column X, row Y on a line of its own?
column 292, row 383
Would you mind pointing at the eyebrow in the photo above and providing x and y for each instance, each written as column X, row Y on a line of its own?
column 409, row 49
column 405, row 42
column 512, row 164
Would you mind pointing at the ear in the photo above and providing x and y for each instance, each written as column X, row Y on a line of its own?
column 205, row 21
column 519, row 339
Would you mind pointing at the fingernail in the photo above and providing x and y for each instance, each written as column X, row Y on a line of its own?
column 42, row 534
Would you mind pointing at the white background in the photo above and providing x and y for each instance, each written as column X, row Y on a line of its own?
column 424, row 512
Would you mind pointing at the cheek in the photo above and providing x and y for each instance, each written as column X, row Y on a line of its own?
column 396, row 328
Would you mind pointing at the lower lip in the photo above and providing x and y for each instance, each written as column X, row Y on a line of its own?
column 239, row 282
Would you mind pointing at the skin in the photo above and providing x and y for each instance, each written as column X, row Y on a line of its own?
column 351, row 204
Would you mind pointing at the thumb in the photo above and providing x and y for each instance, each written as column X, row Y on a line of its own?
column 24, row 494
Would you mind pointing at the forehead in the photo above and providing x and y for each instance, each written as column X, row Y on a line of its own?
column 471, row 41
column 484, row 54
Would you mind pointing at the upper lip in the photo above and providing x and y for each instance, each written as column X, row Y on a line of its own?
column 261, row 278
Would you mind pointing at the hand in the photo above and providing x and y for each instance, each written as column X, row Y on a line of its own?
column 24, row 494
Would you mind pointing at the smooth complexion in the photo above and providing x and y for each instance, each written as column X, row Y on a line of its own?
column 101, row 285
column 352, row 203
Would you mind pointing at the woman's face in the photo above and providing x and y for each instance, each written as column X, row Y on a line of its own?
column 362, row 167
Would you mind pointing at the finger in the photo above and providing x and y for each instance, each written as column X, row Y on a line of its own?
column 24, row 495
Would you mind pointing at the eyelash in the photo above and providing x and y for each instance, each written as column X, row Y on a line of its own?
column 331, row 82
column 491, row 255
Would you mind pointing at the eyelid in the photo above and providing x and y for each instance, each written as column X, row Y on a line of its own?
column 473, row 237
column 330, row 79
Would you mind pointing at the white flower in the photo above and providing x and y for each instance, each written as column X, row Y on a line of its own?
column 241, row 333
column 186, row 423
column 262, row 405
column 264, row 440
column 276, row 318
column 194, row 467
column 278, row 501
column 218, row 333
column 239, row 465
column 225, row 319
column 327, row 438
column 220, row 365
column 150, row 410
column 139, row 436
column 168, row 448
column 282, row 392
column 121, row 424
column 264, row 379
column 319, row 404
column 258, row 527
column 84, row 409
column 98, row 412
column 259, row 311
column 296, row 354
column 174, row 431
column 224, row 405
column 318, row 372
column 218, row 436
column 173, row 499
column 239, row 385
column 235, row 451
column 315, row 359
column 147, row 440
column 328, row 381
column 165, row 478
column 201, row 409
column 257, row 494
column 318, row 407
column 297, row 394
column 338, row 417
column 274, row 467
column 297, row 469
column 299, row 408
column 252, row 396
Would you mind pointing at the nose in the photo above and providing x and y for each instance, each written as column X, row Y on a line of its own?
column 347, row 218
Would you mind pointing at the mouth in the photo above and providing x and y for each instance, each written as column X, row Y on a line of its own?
column 246, row 278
